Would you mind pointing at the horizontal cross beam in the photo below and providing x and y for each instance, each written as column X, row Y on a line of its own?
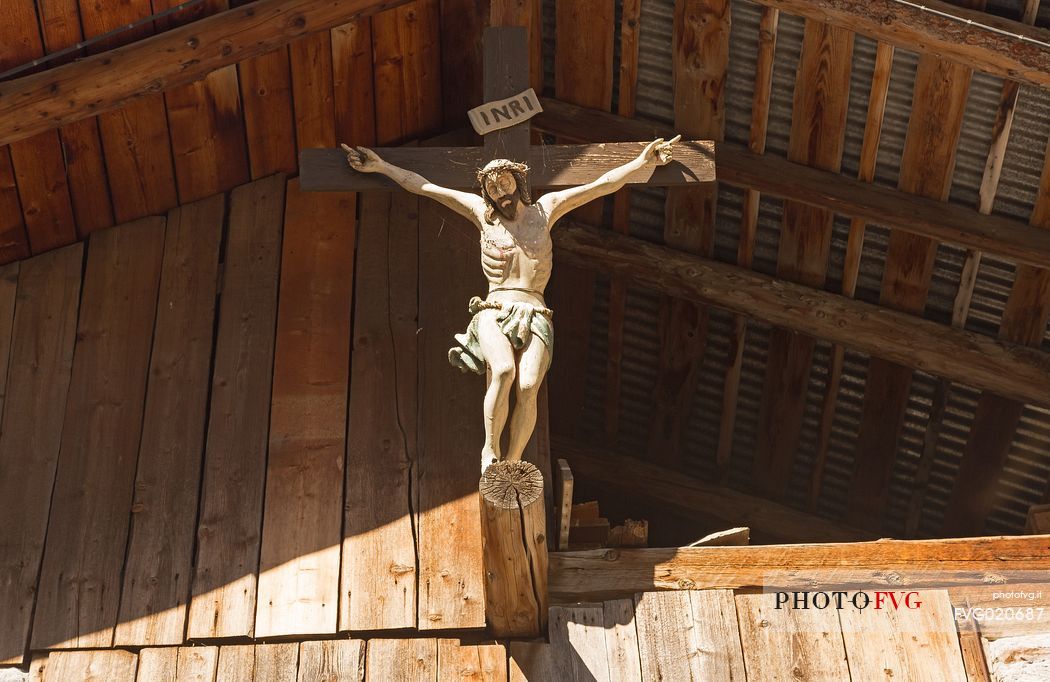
column 971, row 359
column 550, row 167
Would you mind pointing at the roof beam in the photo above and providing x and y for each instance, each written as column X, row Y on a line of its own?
column 887, row 564
column 971, row 359
column 848, row 196
column 1002, row 47
column 697, row 499
column 108, row 80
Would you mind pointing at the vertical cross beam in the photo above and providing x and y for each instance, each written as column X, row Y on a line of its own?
column 506, row 55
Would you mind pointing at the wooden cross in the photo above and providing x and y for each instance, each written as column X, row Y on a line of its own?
column 550, row 166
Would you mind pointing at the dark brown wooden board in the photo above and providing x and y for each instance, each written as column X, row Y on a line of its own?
column 927, row 166
column 817, row 139
column 379, row 551
column 223, row 601
column 158, row 568
column 41, row 358
column 87, row 533
column 14, row 244
column 266, row 90
column 553, row 167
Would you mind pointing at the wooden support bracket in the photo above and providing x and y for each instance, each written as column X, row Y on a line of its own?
column 513, row 526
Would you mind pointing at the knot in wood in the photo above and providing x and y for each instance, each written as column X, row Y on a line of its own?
column 506, row 485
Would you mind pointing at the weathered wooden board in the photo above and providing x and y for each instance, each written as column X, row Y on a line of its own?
column 471, row 663
column 717, row 635
column 326, row 170
column 223, row 601
column 41, row 357
column 379, row 553
column 236, row 663
column 405, row 660
column 352, row 83
column 341, row 659
column 15, row 243
column 299, row 564
column 893, row 564
column 450, row 583
column 37, row 160
column 577, row 634
column 818, row 134
column 8, row 294
column 197, row 664
column 276, row 662
column 91, row 666
column 621, row 641
column 407, row 75
column 135, row 140
column 667, row 640
column 312, row 94
column 914, row 639
column 158, row 664
column 87, row 534
column 790, row 644
column 266, row 91
column 158, row 567
column 530, row 661
column 81, row 145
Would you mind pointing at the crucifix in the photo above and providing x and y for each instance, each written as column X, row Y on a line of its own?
column 510, row 336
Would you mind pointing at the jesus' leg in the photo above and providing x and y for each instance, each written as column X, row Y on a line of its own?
column 499, row 356
column 532, row 366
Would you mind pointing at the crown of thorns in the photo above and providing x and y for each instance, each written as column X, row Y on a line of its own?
column 500, row 165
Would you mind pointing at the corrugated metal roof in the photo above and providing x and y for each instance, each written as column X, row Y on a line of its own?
column 1025, row 478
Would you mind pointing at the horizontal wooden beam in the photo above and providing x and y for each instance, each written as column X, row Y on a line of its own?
column 108, row 80
column 696, row 499
column 550, row 167
column 1002, row 47
column 779, row 177
column 885, row 564
column 971, row 359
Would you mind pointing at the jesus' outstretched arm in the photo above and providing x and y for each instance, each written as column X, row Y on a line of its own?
column 557, row 204
column 468, row 205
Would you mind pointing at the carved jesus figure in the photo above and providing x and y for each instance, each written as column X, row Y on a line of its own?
column 510, row 337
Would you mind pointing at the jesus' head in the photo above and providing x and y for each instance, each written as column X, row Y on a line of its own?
column 504, row 185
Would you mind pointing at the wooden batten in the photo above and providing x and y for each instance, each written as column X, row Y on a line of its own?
column 700, row 62
column 817, row 139
column 514, row 530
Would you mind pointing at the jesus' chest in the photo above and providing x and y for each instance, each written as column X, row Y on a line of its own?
column 528, row 235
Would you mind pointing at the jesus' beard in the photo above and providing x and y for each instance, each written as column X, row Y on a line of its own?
column 510, row 211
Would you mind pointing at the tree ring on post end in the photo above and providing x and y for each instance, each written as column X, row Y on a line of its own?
column 506, row 485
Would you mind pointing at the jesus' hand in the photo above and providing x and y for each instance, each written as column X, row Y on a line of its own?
column 363, row 159
column 658, row 151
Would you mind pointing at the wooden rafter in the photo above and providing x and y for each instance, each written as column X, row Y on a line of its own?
column 888, row 564
column 979, row 361
column 1002, row 47
column 696, row 499
column 876, row 204
column 106, row 81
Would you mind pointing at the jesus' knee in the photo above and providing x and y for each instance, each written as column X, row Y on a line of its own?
column 502, row 375
column 528, row 388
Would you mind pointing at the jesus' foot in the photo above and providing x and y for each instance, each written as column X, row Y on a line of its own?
column 488, row 458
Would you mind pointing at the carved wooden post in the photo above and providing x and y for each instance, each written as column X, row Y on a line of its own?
column 513, row 523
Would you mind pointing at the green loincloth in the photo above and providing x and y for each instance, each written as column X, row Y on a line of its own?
column 518, row 322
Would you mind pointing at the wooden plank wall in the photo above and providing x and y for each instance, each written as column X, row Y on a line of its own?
column 701, row 634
